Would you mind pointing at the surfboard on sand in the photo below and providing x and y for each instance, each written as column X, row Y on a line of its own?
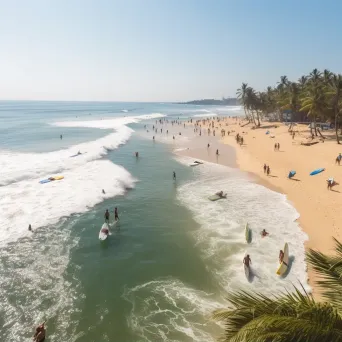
column 102, row 235
column 284, row 264
column 316, row 172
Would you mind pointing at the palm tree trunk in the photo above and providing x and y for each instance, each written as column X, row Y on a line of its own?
column 315, row 125
column 336, row 126
column 258, row 117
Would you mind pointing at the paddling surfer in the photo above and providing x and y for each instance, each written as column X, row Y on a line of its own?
column 106, row 215
column 247, row 260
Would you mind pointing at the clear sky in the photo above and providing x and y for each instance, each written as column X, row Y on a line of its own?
column 161, row 50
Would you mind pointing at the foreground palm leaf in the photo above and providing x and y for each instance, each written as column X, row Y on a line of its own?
column 289, row 317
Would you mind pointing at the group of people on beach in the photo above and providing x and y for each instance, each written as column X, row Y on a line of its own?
column 267, row 169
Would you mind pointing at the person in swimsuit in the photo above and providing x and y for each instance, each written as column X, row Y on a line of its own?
column 106, row 215
column 281, row 256
column 116, row 214
column 39, row 335
column 174, row 175
column 247, row 260
column 264, row 233
column 30, row 228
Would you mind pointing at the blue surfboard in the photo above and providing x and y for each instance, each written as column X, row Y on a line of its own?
column 292, row 173
column 317, row 171
column 45, row 181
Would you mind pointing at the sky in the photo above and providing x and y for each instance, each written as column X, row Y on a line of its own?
column 161, row 50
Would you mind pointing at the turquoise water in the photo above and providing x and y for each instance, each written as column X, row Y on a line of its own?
column 172, row 256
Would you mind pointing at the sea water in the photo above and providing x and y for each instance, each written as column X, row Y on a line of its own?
column 171, row 257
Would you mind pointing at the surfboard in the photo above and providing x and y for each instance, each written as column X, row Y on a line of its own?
column 195, row 164
column 58, row 177
column 284, row 265
column 316, row 172
column 216, row 197
column 103, row 236
column 43, row 181
column 246, row 271
column 247, row 233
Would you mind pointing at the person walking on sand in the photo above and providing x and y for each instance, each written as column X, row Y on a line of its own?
column 275, row 147
column 265, row 168
column 338, row 159
column 208, row 145
column 268, row 171
column 278, row 147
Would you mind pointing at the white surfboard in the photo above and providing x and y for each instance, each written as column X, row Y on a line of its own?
column 103, row 236
column 284, row 265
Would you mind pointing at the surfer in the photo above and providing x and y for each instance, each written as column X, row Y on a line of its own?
column 106, row 215
column 39, row 335
column 264, row 233
column 103, row 191
column 30, row 228
column 281, row 256
column 174, row 175
column 116, row 214
column 79, row 152
column 61, row 136
column 137, row 154
column 105, row 230
column 220, row 193
column 247, row 260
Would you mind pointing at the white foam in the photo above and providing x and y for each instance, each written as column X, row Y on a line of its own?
column 221, row 236
column 29, row 202
column 183, row 316
column 204, row 115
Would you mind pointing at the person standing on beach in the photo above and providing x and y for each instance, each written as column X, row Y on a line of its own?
column 268, row 171
column 265, row 168
column 278, row 147
column 208, row 145
column 275, row 147
column 338, row 159
column 217, row 152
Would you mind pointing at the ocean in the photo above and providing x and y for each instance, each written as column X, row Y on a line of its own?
column 172, row 256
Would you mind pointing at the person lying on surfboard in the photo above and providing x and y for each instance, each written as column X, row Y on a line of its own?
column 247, row 260
column 105, row 231
column 281, row 256
column 264, row 233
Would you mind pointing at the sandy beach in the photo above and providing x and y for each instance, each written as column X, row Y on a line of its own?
column 318, row 206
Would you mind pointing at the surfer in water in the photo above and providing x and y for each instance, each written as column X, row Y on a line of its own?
column 264, row 233
column 220, row 193
column 103, row 191
column 174, row 175
column 79, row 152
column 247, row 260
column 61, row 136
column 39, row 335
column 137, row 154
column 30, row 228
column 281, row 256
column 116, row 214
column 106, row 215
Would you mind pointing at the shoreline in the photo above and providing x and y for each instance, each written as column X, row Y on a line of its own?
column 317, row 207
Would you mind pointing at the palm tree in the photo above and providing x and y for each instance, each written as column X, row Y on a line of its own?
column 241, row 95
column 290, row 317
column 335, row 91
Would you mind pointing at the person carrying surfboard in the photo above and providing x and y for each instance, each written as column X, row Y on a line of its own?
column 281, row 256
column 106, row 215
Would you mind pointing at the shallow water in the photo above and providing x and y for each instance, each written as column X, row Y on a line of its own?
column 170, row 258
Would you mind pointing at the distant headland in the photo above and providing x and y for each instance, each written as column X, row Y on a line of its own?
column 230, row 101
